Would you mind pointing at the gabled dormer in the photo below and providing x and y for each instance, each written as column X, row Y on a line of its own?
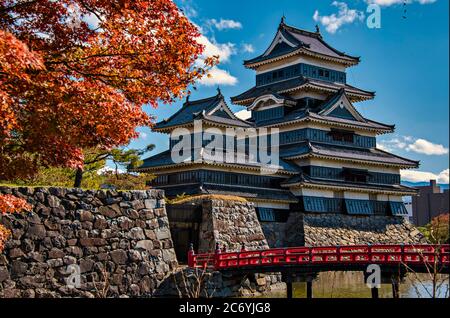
column 339, row 106
column 213, row 110
column 270, row 106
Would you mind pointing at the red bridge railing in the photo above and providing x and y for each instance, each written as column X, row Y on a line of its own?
column 360, row 254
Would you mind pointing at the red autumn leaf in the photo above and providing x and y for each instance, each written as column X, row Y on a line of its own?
column 75, row 74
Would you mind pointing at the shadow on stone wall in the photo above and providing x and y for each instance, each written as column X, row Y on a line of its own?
column 198, row 283
column 119, row 241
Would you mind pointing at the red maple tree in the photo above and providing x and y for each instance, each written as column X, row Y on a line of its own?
column 76, row 74
column 10, row 204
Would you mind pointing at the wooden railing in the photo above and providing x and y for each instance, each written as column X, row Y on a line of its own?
column 310, row 256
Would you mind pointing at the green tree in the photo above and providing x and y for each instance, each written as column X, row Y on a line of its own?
column 96, row 159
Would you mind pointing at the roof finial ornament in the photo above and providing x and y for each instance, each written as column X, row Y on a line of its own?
column 317, row 29
column 283, row 19
column 219, row 92
column 187, row 99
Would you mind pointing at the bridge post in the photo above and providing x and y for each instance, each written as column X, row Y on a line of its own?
column 289, row 293
column 309, row 292
column 395, row 287
column 287, row 278
column 374, row 291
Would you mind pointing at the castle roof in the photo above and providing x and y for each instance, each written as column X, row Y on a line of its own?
column 164, row 160
column 308, row 181
column 212, row 109
column 252, row 193
column 324, row 113
column 335, row 152
column 298, row 83
column 290, row 41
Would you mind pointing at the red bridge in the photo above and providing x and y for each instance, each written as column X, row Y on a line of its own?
column 394, row 261
column 324, row 256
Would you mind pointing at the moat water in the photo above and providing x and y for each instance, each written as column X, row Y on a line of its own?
column 351, row 285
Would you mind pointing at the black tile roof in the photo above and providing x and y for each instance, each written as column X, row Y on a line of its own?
column 303, row 114
column 199, row 109
column 165, row 159
column 281, row 87
column 305, row 179
column 302, row 39
column 226, row 121
column 225, row 189
column 344, row 152
column 249, row 192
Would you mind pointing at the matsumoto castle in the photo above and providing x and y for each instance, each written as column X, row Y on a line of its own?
column 328, row 160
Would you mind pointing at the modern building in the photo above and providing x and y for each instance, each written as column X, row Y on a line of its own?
column 328, row 163
column 430, row 202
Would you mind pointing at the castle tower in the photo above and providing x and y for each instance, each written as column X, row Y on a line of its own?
column 328, row 163
column 301, row 88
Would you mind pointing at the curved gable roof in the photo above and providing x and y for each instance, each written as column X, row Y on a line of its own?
column 289, row 39
column 207, row 108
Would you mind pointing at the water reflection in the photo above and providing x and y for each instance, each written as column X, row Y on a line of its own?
column 351, row 285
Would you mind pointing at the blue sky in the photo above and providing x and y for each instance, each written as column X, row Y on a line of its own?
column 405, row 62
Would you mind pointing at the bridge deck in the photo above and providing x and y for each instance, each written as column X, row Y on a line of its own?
column 419, row 258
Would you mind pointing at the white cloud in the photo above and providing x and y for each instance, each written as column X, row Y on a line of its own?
column 223, row 24
column 212, row 47
column 382, row 146
column 387, row 3
column 423, row 176
column 143, row 135
column 427, row 148
column 107, row 169
column 224, row 51
column 344, row 16
column 248, row 48
column 408, row 143
column 218, row 76
column 444, row 176
column 243, row 114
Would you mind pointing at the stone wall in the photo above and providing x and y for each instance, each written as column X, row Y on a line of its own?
column 230, row 223
column 338, row 229
column 275, row 233
column 120, row 241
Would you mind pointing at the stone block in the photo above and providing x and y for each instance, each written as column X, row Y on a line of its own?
column 144, row 245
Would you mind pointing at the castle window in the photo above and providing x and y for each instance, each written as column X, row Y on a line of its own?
column 358, row 207
column 398, row 209
column 272, row 215
column 266, row 214
column 314, row 204
column 355, row 175
column 341, row 135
